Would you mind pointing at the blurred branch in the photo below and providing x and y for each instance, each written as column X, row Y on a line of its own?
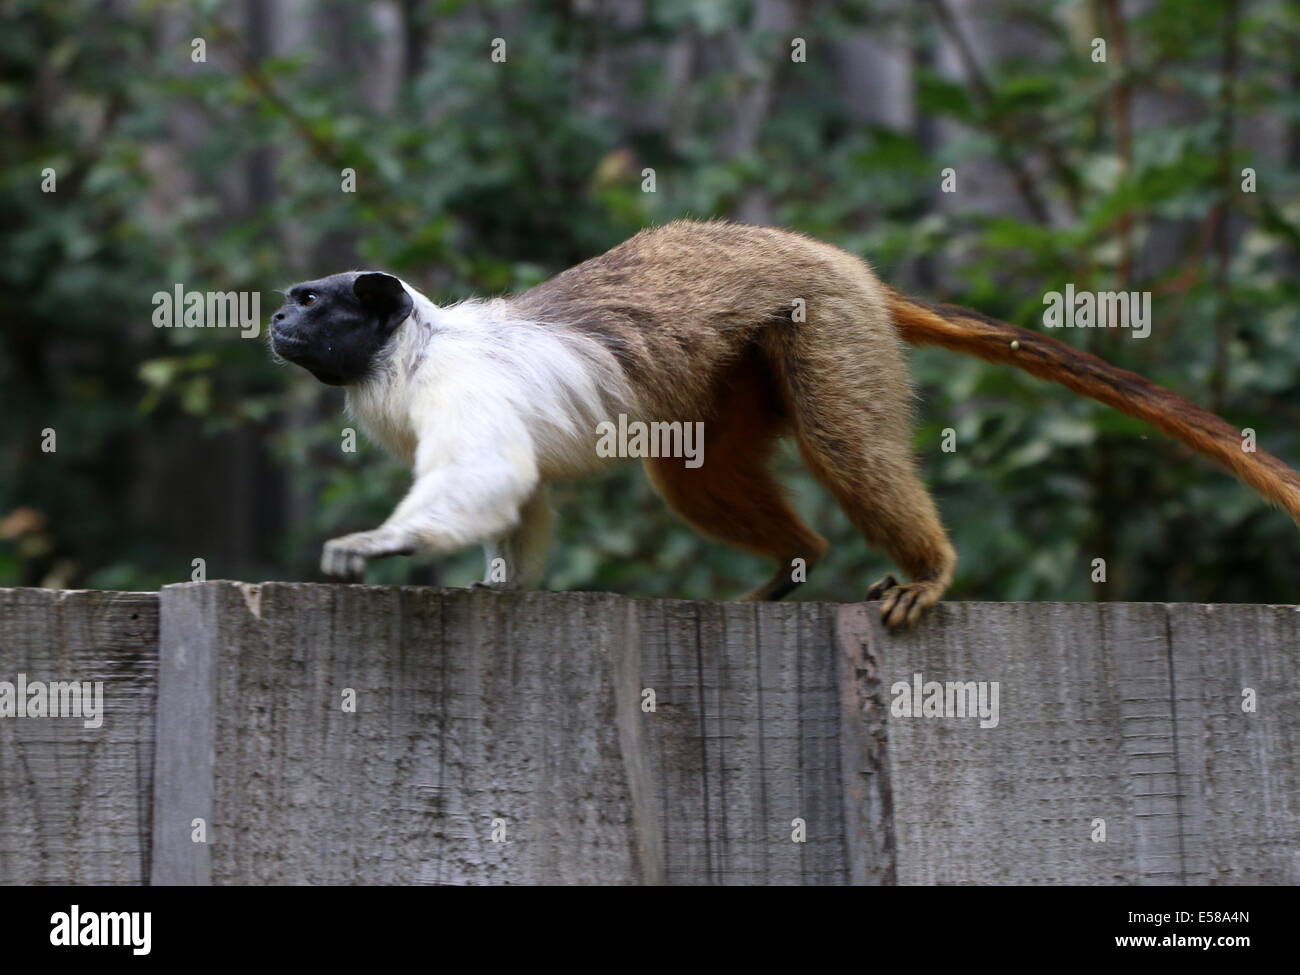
column 754, row 77
column 1013, row 135
column 250, row 70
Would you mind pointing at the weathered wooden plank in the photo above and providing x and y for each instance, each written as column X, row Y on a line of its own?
column 186, row 724
column 1136, row 641
column 74, row 799
column 530, row 735
column 483, row 716
column 475, row 708
column 1084, row 734
column 1240, row 768
column 744, row 742
column 870, row 840
column 478, row 716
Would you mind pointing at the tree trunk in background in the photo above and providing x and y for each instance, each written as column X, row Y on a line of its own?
column 753, row 63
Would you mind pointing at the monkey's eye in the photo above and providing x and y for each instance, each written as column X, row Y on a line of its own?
column 308, row 299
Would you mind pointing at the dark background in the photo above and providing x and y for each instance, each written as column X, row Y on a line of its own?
column 476, row 177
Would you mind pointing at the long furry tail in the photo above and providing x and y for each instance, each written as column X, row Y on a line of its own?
column 962, row 330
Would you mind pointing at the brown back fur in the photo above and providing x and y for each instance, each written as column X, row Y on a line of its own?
column 699, row 316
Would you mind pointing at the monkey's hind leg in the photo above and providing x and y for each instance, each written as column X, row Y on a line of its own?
column 745, row 508
column 844, row 382
column 875, row 480
column 733, row 497
column 518, row 559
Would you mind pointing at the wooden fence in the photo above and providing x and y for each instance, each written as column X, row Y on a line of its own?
column 319, row 734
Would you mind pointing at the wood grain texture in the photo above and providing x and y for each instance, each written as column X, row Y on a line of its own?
column 1122, row 712
column 743, row 746
column 467, row 719
column 478, row 710
column 74, row 801
column 585, row 738
column 1240, row 769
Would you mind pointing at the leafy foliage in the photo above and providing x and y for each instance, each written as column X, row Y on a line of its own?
column 480, row 177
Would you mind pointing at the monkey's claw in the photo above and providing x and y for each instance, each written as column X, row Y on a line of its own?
column 881, row 587
column 901, row 605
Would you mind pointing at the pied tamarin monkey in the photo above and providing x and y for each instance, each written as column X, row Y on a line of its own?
column 489, row 400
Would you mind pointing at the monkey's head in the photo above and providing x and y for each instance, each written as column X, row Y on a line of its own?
column 335, row 327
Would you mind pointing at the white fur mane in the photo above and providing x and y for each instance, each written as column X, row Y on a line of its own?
column 477, row 366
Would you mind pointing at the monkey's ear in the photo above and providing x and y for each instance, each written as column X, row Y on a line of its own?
column 383, row 295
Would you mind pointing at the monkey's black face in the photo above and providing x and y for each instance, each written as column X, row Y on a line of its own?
column 335, row 327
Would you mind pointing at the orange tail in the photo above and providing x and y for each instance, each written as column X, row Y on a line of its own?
column 962, row 330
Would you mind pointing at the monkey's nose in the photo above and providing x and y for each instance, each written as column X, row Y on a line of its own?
column 279, row 316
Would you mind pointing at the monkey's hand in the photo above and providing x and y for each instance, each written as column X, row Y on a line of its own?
column 345, row 558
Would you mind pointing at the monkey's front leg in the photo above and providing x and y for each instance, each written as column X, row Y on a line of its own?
column 446, row 509
column 345, row 557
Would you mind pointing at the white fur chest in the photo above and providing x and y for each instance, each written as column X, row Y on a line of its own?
column 472, row 377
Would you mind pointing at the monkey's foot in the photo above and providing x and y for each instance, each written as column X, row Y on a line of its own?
column 791, row 573
column 495, row 586
column 901, row 604
column 775, row 588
